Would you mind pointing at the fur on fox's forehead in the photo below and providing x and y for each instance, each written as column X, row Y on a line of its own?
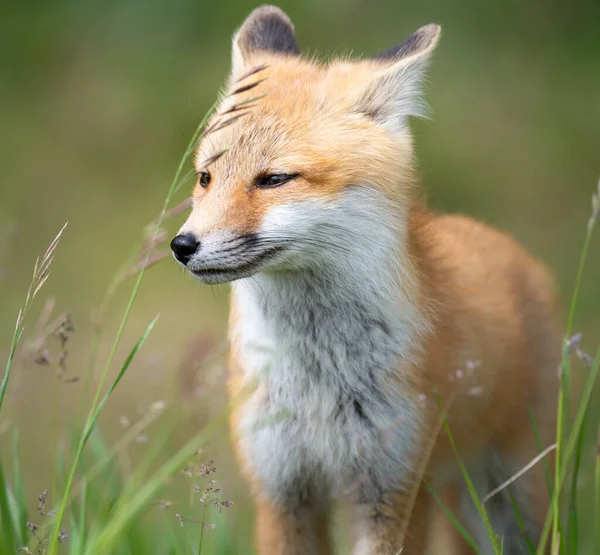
column 283, row 97
column 279, row 104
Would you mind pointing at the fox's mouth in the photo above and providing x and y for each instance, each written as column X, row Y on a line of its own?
column 224, row 274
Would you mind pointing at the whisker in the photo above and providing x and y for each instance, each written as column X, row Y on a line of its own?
column 244, row 248
column 349, row 230
column 296, row 243
column 259, row 286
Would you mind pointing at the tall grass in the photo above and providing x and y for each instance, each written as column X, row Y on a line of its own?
column 41, row 272
column 17, row 533
column 102, row 511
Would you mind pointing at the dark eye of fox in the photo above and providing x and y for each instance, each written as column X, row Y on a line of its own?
column 274, row 180
column 204, row 179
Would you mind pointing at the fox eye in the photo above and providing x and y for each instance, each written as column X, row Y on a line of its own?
column 274, row 180
column 204, row 179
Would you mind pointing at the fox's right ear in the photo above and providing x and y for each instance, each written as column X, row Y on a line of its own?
column 267, row 29
column 394, row 91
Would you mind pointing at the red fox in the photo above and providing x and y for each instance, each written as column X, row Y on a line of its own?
column 360, row 316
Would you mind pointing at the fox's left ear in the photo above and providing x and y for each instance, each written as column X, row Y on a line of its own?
column 394, row 92
column 266, row 30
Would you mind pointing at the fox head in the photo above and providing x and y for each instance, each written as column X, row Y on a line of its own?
column 303, row 163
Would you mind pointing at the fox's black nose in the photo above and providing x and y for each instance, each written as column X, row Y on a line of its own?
column 184, row 247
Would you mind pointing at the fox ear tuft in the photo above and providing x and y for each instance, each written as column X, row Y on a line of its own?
column 394, row 93
column 266, row 29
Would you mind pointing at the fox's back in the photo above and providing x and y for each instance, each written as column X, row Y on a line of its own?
column 495, row 345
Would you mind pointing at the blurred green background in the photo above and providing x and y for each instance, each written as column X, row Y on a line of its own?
column 97, row 103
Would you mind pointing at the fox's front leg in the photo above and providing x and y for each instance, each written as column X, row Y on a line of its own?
column 301, row 529
column 390, row 526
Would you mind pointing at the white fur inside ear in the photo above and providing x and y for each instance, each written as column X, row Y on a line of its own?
column 237, row 58
column 397, row 93
column 396, row 90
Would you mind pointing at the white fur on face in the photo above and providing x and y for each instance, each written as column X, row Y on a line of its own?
column 356, row 228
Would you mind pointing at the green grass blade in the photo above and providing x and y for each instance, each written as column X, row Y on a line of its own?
column 7, row 522
column 573, row 520
column 130, row 357
column 547, row 473
column 565, row 381
column 570, row 448
column 75, row 536
column 555, row 507
column 83, row 504
column 596, row 538
column 133, row 501
column 455, row 522
column 77, row 544
column 131, row 504
column 105, row 456
column 53, row 541
column 150, row 456
column 203, row 526
column 21, row 502
column 470, row 486
column 174, row 542
column 520, row 522
column 11, row 355
column 40, row 275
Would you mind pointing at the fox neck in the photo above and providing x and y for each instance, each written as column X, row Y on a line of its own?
column 371, row 286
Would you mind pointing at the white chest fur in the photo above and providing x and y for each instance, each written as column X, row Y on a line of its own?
column 330, row 412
